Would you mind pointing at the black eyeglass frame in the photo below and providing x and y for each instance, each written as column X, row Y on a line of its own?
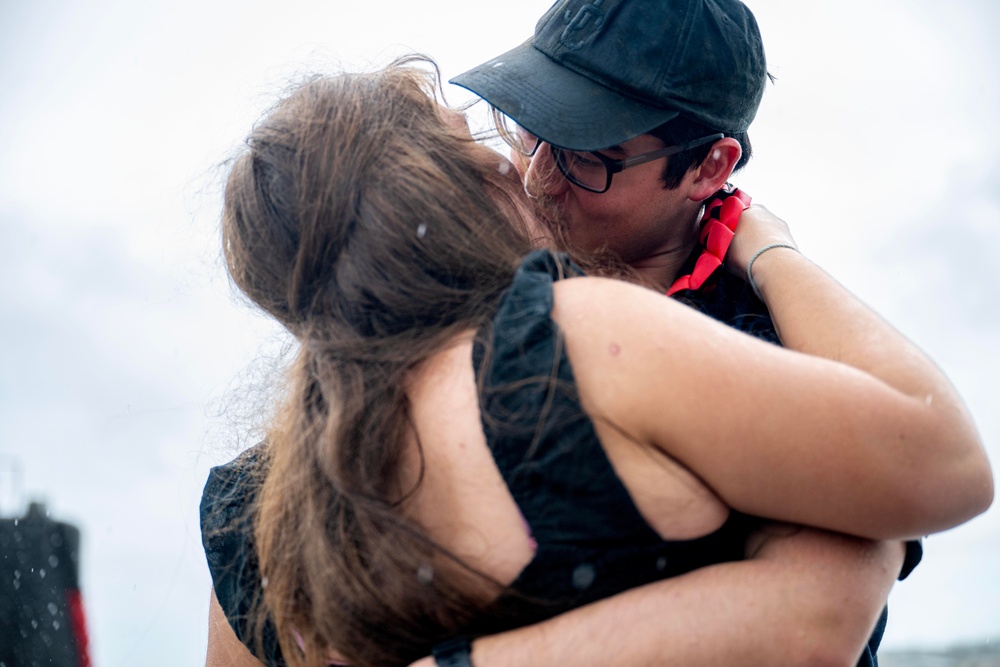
column 613, row 166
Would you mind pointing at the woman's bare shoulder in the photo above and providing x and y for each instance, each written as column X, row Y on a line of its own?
column 610, row 327
column 594, row 305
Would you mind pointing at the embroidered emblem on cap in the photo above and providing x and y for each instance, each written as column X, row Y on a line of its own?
column 582, row 27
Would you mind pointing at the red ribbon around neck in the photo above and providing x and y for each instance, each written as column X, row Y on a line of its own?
column 718, row 227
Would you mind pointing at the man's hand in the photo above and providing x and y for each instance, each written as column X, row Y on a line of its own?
column 804, row 597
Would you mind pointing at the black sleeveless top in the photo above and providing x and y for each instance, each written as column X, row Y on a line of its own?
column 591, row 540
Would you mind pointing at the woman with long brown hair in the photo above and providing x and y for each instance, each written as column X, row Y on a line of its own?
column 471, row 441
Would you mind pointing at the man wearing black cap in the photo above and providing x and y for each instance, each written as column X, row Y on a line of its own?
column 635, row 81
column 631, row 115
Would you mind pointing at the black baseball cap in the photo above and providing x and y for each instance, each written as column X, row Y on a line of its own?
column 599, row 72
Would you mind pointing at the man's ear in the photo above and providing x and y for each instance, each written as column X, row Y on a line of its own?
column 714, row 170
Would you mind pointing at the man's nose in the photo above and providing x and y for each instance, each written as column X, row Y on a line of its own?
column 543, row 176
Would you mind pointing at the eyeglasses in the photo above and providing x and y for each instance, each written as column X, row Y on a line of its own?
column 591, row 170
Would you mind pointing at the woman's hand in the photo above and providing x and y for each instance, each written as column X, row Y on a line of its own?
column 758, row 228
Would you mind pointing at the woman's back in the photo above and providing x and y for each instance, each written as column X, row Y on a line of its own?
column 515, row 472
column 461, row 498
column 506, row 472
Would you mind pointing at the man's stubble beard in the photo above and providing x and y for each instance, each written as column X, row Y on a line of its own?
column 599, row 261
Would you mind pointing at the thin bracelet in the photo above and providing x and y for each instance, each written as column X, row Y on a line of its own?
column 754, row 259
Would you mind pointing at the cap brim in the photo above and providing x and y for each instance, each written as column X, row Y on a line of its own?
column 558, row 105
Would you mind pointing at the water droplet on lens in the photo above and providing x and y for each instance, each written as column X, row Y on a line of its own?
column 263, row 582
column 583, row 576
column 425, row 573
column 421, row 230
column 17, row 584
column 34, row 624
column 54, row 560
column 661, row 563
column 17, row 574
column 55, row 625
column 56, row 540
column 41, row 573
column 53, row 609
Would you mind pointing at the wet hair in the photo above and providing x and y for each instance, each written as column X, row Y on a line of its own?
column 375, row 233
column 683, row 129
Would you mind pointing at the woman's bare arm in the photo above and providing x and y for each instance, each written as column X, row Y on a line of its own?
column 852, row 428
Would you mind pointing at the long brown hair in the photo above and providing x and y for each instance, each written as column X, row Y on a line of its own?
column 375, row 233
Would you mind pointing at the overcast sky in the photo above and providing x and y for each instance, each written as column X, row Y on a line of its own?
column 124, row 359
